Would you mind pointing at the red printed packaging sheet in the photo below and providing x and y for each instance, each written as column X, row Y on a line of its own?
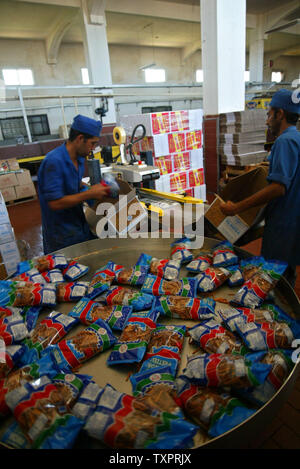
column 178, row 182
column 196, row 177
column 193, row 140
column 165, row 164
column 176, row 142
column 160, row 123
column 179, row 121
column 182, row 161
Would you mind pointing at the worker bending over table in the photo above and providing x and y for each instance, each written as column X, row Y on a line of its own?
column 61, row 190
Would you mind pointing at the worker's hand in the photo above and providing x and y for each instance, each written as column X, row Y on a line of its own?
column 98, row 191
column 229, row 208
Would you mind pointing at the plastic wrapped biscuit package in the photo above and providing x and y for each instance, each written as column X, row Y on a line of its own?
column 180, row 287
column 19, row 294
column 185, row 308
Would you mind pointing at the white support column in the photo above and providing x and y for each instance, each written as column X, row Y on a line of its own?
column 256, row 51
column 223, row 34
column 96, row 50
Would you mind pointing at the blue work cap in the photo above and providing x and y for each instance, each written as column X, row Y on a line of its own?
column 287, row 100
column 87, row 125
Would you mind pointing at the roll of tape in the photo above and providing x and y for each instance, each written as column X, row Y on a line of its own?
column 119, row 135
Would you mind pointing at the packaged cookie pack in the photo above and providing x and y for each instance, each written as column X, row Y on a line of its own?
column 158, row 286
column 268, row 335
column 168, row 269
column 9, row 357
column 212, row 337
column 23, row 374
column 88, row 311
column 211, row 408
column 133, row 341
column 19, row 294
column 134, row 276
column 224, row 255
column 29, row 314
column 256, row 289
column 40, row 410
column 281, row 365
column 53, row 276
column 220, row 370
column 203, row 260
column 43, row 263
column 48, row 332
column 32, row 275
column 87, row 401
column 71, row 291
column 121, row 421
column 212, row 278
column 185, row 308
column 236, row 278
column 102, row 279
column 145, row 260
column 74, row 271
column 72, row 353
column 13, row 329
column 161, row 358
column 125, row 296
column 180, row 250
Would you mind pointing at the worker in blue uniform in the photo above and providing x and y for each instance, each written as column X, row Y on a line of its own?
column 61, row 190
column 281, row 238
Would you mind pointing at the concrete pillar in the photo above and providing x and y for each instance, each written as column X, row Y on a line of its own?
column 96, row 50
column 223, row 36
column 223, row 32
column 256, row 51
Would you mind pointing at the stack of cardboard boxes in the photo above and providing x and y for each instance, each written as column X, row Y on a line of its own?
column 15, row 183
column 175, row 140
column 9, row 252
column 242, row 136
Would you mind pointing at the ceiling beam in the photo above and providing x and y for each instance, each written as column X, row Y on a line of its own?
column 190, row 49
column 54, row 38
column 276, row 15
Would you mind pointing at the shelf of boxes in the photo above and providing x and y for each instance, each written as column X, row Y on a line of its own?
column 9, row 252
column 15, row 183
column 176, row 142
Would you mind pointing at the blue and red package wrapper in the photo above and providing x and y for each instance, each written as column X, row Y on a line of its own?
column 180, row 250
column 200, row 263
column 219, row 370
column 43, row 263
column 134, row 276
column 212, row 278
column 71, row 291
column 13, row 329
column 224, row 255
column 48, row 332
column 121, row 421
column 185, row 308
column 19, row 294
column 88, row 311
column 72, row 353
column 138, row 300
column 10, row 356
column 255, row 290
column 157, row 286
column 74, row 271
column 214, row 410
column 133, row 341
column 102, row 279
column 31, row 402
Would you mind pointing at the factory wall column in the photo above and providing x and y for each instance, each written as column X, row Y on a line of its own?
column 96, row 51
column 223, row 37
column 256, row 51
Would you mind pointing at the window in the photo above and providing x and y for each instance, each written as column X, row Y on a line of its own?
column 247, row 75
column 147, row 110
column 85, row 76
column 199, row 76
column 22, row 76
column 13, row 127
column 276, row 76
column 155, row 75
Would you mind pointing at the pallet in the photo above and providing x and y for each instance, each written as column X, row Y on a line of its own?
column 11, row 203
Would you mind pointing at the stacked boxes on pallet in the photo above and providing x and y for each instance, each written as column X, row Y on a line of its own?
column 175, row 139
column 242, row 137
column 15, row 183
column 9, row 252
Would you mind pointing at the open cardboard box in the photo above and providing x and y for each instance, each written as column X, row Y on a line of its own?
column 234, row 227
column 125, row 213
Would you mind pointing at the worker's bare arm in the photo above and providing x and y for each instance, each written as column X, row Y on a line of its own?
column 262, row 197
column 96, row 191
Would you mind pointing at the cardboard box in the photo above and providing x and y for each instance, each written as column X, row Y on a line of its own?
column 4, row 218
column 8, row 180
column 8, row 194
column 234, row 227
column 6, row 233
column 26, row 190
column 9, row 257
column 13, row 164
column 24, row 177
column 124, row 213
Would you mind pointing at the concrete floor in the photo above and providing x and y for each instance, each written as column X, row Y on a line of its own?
column 284, row 430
